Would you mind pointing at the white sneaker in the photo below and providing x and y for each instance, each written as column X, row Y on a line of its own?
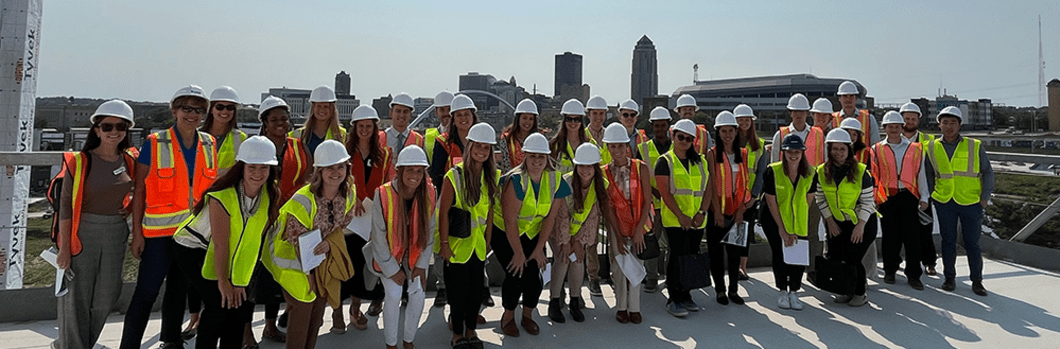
column 784, row 300
column 796, row 304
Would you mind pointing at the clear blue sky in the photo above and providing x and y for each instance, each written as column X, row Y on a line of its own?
column 145, row 50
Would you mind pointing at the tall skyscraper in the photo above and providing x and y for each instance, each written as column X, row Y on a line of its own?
column 342, row 83
column 645, row 78
column 568, row 71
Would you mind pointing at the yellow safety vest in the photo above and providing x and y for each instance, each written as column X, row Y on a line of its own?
column 791, row 200
column 577, row 218
column 428, row 142
column 226, row 154
column 956, row 178
column 842, row 199
column 244, row 239
column 650, row 154
column 752, row 162
column 687, row 187
column 605, row 155
column 535, row 206
column 476, row 242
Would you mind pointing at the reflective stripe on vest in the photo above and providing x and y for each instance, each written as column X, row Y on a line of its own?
column 578, row 217
column 863, row 118
column 293, row 172
column 701, row 136
column 731, row 188
column 76, row 164
column 687, row 187
column 405, row 240
column 244, row 239
column 515, row 151
column 475, row 242
column 752, row 161
column 964, row 187
column 884, row 170
column 842, row 199
column 226, row 153
column 791, row 200
column 634, row 205
column 169, row 197
column 536, row 204
column 650, row 153
column 814, row 144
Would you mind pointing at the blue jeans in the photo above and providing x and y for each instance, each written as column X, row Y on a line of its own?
column 971, row 219
column 156, row 266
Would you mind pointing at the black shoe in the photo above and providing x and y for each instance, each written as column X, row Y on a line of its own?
column 743, row 277
column 283, row 320
column 977, row 287
column 440, row 299
column 594, row 288
column 949, row 285
column 189, row 333
column 576, row 309
column 916, row 284
column 722, row 299
column 736, row 299
column 487, row 299
column 889, row 278
column 172, row 345
column 555, row 305
column 650, row 286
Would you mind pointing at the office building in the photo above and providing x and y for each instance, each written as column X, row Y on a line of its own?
column 644, row 80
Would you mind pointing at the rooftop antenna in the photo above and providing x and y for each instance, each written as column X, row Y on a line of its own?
column 1041, row 66
column 695, row 68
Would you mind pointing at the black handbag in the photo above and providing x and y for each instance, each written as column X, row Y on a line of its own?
column 833, row 276
column 694, row 270
column 651, row 247
column 459, row 223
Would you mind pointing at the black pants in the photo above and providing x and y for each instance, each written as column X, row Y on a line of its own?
column 463, row 284
column 216, row 322
column 749, row 217
column 901, row 228
column 928, row 255
column 156, row 267
column 723, row 257
column 263, row 290
column 788, row 277
column 527, row 286
column 682, row 243
column 355, row 285
column 840, row 247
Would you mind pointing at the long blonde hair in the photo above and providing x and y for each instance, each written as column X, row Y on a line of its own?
column 311, row 121
column 316, row 181
column 421, row 197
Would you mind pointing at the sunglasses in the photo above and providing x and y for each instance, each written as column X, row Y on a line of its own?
column 570, row 119
column 107, row 127
column 221, row 107
column 195, row 110
column 684, row 138
column 331, row 212
column 628, row 115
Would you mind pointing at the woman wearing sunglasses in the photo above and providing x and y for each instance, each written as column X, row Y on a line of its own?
column 571, row 135
column 96, row 189
column 728, row 164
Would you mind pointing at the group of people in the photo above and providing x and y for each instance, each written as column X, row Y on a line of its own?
column 220, row 217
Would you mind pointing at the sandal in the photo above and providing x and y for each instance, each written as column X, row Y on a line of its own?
column 278, row 336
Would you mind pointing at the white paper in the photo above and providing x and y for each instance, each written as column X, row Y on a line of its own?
column 306, row 243
column 362, row 225
column 573, row 258
column 737, row 235
column 631, row 268
column 416, row 287
column 546, row 275
column 51, row 255
column 798, row 253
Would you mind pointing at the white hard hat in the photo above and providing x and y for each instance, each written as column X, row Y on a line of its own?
column 822, row 105
column 951, row 111
column 412, row 155
column 837, row 136
column 847, row 88
column 536, row 143
column 725, row 118
column 224, row 94
column 257, row 150
column 190, row 90
column 629, row 104
column 892, row 117
column 798, row 102
column 744, row 111
column 481, row 132
column 910, row 107
column 573, row 107
column 322, row 93
column 851, row 124
column 115, row 108
column 330, row 152
column 461, row 102
column 526, row 106
column 615, row 133
column 587, row 154
column 659, row 113
column 686, row 126
column 403, row 99
column 443, row 99
column 364, row 112
column 596, row 102
column 686, row 101
column 271, row 102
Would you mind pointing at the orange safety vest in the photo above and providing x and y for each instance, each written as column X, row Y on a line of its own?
column 814, row 144
column 641, row 136
column 76, row 164
column 515, row 153
column 293, row 172
column 887, row 178
column 399, row 244
column 731, row 187
column 456, row 156
column 634, row 205
column 864, row 156
column 365, row 188
column 169, row 196
column 863, row 118
column 701, row 136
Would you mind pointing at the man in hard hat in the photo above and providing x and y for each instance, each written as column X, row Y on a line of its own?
column 961, row 182
column 813, row 138
column 399, row 135
column 649, row 152
column 686, row 108
column 901, row 188
column 596, row 111
column 628, row 111
column 911, row 115
column 848, row 98
column 441, row 109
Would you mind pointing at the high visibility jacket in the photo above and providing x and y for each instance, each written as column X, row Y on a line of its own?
column 863, row 117
column 956, row 177
column 169, row 197
column 864, row 156
column 650, row 154
column 752, row 160
column 842, row 198
column 640, row 136
column 628, row 211
column 226, row 153
column 731, row 187
column 341, row 137
column 430, row 137
column 281, row 257
column 381, row 173
column 402, row 241
column 413, row 138
column 475, row 243
column 244, row 239
column 536, row 205
column 456, row 155
column 605, row 155
column 293, row 173
column 791, row 200
column 814, row 143
column 515, row 149
column 687, row 187
column 76, row 163
column 578, row 217
column 884, row 170
column 701, row 143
